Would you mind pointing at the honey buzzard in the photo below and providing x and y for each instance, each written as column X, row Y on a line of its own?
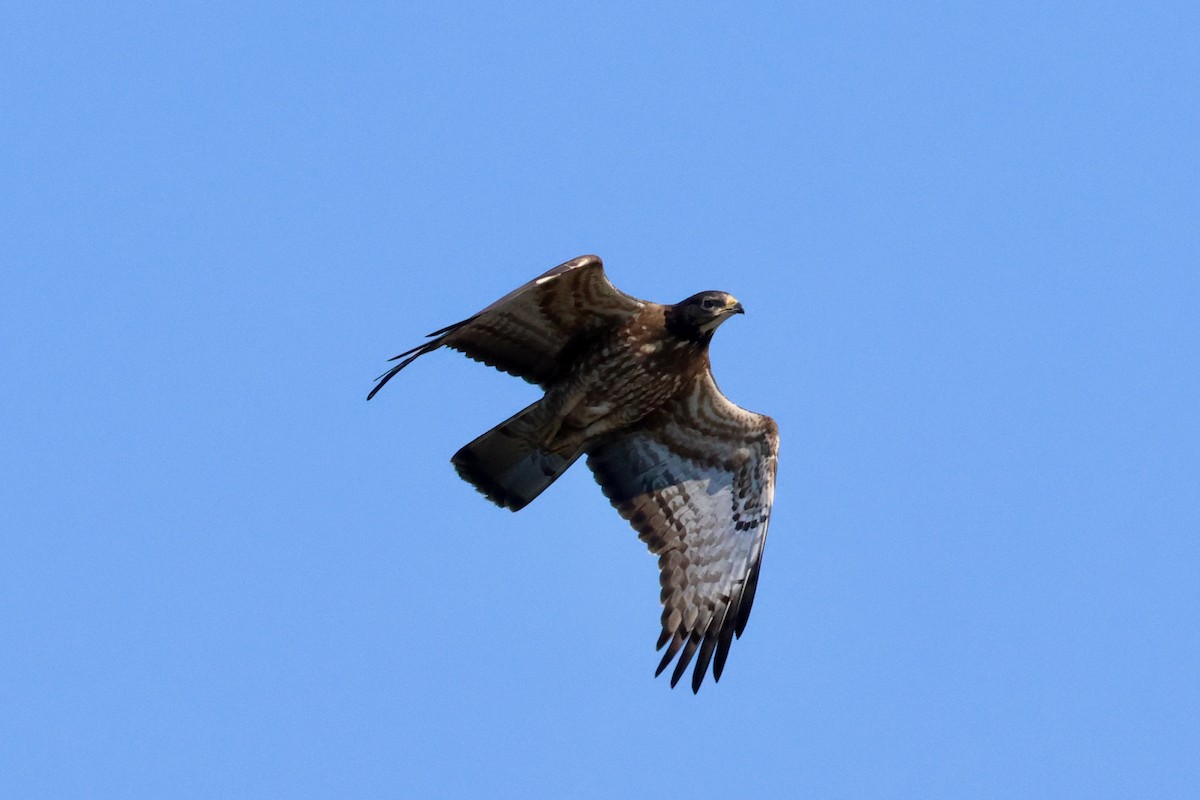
column 628, row 383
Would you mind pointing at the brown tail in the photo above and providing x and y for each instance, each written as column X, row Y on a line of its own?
column 508, row 463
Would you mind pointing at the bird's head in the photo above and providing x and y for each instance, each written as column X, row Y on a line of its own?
column 699, row 315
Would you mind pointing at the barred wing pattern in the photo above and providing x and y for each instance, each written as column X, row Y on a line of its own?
column 696, row 481
column 526, row 332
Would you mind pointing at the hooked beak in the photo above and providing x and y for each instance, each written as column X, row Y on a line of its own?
column 735, row 308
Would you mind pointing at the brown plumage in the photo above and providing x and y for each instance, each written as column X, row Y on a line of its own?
column 628, row 383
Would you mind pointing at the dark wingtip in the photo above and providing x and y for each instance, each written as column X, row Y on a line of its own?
column 676, row 643
column 723, row 643
column 383, row 379
column 705, row 655
column 685, row 658
column 412, row 354
column 747, row 601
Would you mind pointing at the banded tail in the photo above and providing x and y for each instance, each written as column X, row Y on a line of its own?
column 509, row 464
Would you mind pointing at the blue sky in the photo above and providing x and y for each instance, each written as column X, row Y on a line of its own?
column 966, row 238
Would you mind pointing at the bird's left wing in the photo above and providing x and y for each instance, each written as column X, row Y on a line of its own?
column 696, row 481
column 529, row 331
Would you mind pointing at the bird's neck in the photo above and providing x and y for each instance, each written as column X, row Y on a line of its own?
column 681, row 327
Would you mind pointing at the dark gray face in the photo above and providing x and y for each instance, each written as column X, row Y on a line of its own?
column 699, row 315
column 707, row 310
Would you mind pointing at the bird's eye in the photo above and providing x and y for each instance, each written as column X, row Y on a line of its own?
column 709, row 303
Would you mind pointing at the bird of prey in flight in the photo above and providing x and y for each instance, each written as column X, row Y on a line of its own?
column 628, row 383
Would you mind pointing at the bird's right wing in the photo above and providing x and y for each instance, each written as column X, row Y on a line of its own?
column 696, row 481
column 526, row 332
